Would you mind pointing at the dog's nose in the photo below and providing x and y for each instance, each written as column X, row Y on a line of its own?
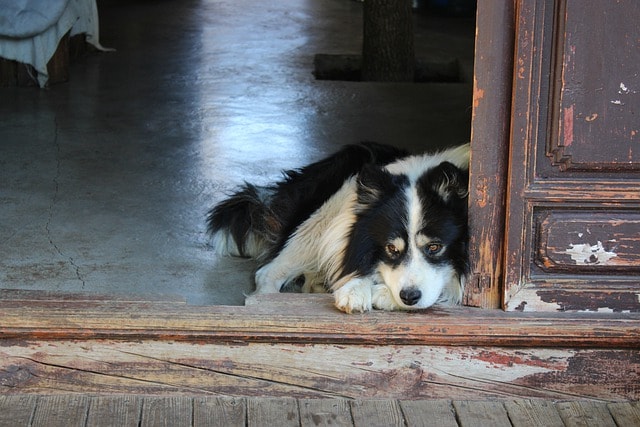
column 410, row 296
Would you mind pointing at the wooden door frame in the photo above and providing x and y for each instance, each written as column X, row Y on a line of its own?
column 490, row 137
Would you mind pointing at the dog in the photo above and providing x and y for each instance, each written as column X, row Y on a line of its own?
column 374, row 225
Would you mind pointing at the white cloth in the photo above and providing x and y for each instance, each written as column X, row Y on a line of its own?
column 30, row 30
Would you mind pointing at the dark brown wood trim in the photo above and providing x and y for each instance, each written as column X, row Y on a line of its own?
column 525, row 113
column 493, row 72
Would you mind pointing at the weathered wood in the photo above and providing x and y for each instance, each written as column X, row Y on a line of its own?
column 585, row 413
column 325, row 412
column 174, row 411
column 574, row 241
column 122, row 411
column 219, row 412
column 573, row 183
column 17, row 410
column 485, row 413
column 61, row 411
column 414, row 372
column 271, row 412
column 493, row 70
column 533, row 413
column 376, row 413
column 625, row 413
column 594, row 110
column 308, row 318
column 428, row 413
column 100, row 346
column 112, row 410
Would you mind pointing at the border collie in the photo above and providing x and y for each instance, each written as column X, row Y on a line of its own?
column 377, row 227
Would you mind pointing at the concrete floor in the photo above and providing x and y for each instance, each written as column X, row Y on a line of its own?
column 105, row 180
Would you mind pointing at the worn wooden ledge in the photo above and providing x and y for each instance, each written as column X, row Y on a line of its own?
column 301, row 346
column 301, row 318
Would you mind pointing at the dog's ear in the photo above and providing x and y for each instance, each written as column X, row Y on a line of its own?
column 373, row 181
column 448, row 181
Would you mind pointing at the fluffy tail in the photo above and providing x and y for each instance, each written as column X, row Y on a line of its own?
column 240, row 226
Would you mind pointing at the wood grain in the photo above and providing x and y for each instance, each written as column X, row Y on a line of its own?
column 310, row 350
column 377, row 413
column 585, row 413
column 625, row 413
column 493, row 71
column 325, row 412
column 309, row 318
column 573, row 198
column 173, row 411
column 219, row 412
column 17, row 410
column 481, row 413
column 272, row 412
column 429, row 413
column 122, row 411
column 533, row 413
column 61, row 411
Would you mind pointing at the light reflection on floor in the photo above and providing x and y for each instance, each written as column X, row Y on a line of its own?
column 105, row 180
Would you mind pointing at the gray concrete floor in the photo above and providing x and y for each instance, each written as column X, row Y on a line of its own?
column 105, row 180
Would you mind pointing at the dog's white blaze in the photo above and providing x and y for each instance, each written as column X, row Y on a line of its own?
column 409, row 274
column 415, row 272
column 414, row 166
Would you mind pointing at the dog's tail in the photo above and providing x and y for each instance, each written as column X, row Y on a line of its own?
column 242, row 224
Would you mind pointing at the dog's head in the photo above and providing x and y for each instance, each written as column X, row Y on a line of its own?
column 412, row 234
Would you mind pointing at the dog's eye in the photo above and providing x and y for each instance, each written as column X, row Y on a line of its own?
column 392, row 250
column 433, row 248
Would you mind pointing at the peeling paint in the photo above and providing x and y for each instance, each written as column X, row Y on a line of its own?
column 624, row 90
column 478, row 94
column 481, row 193
column 593, row 301
column 584, row 253
column 568, row 126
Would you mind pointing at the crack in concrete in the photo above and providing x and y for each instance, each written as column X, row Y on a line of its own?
column 54, row 201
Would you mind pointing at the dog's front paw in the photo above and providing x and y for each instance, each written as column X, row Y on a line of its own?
column 269, row 279
column 354, row 296
column 382, row 299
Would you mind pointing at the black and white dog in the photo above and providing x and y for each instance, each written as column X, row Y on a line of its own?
column 377, row 227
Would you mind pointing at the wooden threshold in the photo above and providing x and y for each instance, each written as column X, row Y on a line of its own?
column 301, row 318
column 300, row 346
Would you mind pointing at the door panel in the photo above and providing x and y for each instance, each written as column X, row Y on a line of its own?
column 573, row 222
column 585, row 242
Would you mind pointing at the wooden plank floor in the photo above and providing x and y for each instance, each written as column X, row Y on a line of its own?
column 127, row 410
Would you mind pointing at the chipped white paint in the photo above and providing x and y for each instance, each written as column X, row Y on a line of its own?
column 584, row 253
column 624, row 90
column 617, row 102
